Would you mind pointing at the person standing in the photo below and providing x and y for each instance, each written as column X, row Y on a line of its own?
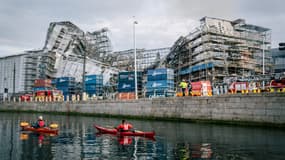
column 189, row 88
column 183, row 85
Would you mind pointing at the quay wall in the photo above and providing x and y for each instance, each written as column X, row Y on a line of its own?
column 251, row 109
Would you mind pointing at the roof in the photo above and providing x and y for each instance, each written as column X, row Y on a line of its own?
column 254, row 27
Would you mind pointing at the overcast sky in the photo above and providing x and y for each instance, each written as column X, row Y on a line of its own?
column 24, row 23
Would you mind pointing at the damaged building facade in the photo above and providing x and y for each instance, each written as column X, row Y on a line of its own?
column 67, row 48
column 221, row 49
column 18, row 72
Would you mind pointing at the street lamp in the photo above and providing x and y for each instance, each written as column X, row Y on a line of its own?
column 263, row 69
column 135, row 54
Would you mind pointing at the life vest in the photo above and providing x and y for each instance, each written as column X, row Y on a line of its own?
column 183, row 84
column 41, row 123
column 125, row 127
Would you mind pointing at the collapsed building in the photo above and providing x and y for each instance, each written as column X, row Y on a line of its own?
column 73, row 49
column 220, row 49
column 67, row 52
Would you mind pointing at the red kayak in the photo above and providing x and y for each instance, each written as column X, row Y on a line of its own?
column 40, row 130
column 114, row 131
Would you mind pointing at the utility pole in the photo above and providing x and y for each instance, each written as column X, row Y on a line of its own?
column 83, row 75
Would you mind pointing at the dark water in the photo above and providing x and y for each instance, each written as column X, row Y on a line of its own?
column 78, row 140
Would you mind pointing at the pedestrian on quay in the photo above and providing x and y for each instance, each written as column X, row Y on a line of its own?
column 183, row 85
column 189, row 87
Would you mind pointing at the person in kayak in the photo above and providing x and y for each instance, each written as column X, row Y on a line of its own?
column 40, row 123
column 124, row 127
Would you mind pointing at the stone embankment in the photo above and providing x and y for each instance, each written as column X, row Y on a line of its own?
column 256, row 109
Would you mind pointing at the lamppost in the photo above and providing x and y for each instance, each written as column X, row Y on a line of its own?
column 135, row 54
column 263, row 69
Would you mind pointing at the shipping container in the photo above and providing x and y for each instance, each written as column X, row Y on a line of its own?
column 41, row 88
column 94, row 79
column 65, row 84
column 66, row 89
column 94, row 76
column 160, row 74
column 160, row 85
column 65, row 79
column 129, row 76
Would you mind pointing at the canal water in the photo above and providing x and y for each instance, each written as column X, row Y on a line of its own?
column 77, row 139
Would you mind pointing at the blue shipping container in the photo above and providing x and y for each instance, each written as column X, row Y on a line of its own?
column 129, row 76
column 160, row 77
column 160, row 83
column 160, row 74
column 65, row 89
column 126, row 85
column 94, row 76
column 93, row 81
column 64, row 79
column 65, row 84
column 41, row 88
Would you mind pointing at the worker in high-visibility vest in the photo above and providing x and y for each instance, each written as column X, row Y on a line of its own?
column 183, row 84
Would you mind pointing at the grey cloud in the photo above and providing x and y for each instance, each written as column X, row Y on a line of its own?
column 24, row 23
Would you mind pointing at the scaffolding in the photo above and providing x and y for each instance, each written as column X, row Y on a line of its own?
column 219, row 49
column 100, row 47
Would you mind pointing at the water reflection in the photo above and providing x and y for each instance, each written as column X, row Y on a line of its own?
column 193, row 151
column 77, row 139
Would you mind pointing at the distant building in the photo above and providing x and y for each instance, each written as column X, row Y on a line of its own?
column 146, row 58
column 18, row 72
column 278, row 57
column 219, row 49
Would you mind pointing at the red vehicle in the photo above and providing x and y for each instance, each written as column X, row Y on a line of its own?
column 26, row 97
column 277, row 83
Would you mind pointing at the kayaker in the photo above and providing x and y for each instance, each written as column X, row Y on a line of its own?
column 124, row 126
column 40, row 123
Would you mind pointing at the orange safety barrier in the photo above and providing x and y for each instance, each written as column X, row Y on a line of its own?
column 126, row 95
